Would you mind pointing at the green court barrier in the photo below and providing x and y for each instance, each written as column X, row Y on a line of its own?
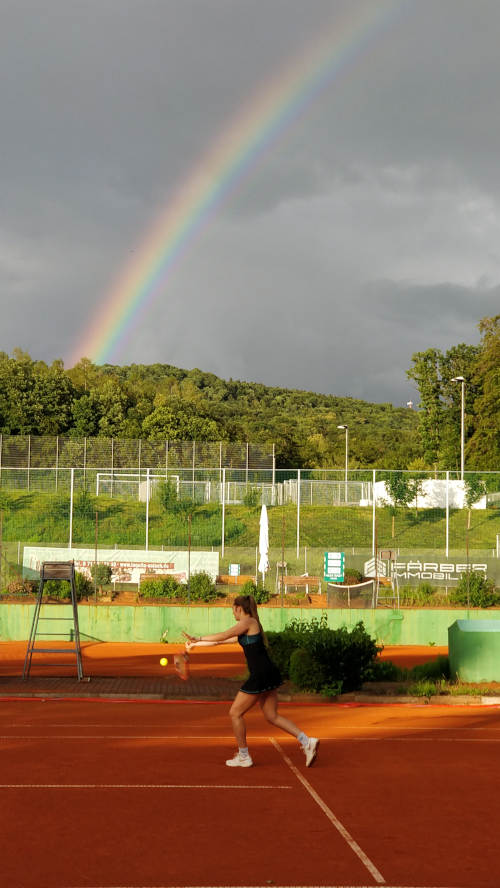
column 150, row 623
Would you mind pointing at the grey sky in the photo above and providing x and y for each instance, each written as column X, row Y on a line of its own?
column 370, row 229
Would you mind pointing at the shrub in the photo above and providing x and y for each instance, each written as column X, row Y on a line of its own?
column 101, row 574
column 383, row 670
column 202, row 587
column 417, row 596
column 166, row 493
column 434, row 670
column 260, row 594
column 281, row 647
column 305, row 672
column 61, row 589
column 84, row 505
column 352, row 576
column 476, row 590
column 252, row 497
column 339, row 655
column 161, row 587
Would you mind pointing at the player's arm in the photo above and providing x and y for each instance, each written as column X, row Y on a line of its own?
column 191, row 644
column 225, row 637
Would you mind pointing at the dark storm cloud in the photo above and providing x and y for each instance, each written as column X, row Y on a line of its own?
column 368, row 231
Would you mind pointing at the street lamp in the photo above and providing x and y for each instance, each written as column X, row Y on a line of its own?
column 346, row 429
column 461, row 379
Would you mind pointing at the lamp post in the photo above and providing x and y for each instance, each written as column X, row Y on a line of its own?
column 346, row 429
column 461, row 379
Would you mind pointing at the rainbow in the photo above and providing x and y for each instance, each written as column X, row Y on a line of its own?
column 236, row 150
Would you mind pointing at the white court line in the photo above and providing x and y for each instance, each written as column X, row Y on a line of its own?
column 262, row 886
column 191, row 737
column 365, row 860
column 433, row 724
column 137, row 786
column 111, row 737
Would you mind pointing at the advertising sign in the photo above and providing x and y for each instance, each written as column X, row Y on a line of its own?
column 333, row 567
column 127, row 565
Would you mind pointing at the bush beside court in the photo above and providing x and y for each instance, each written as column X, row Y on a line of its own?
column 168, row 589
column 317, row 658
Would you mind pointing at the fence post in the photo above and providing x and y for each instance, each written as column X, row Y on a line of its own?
column 57, row 457
column 273, row 499
column 194, row 461
column 373, row 513
column 71, row 489
column 447, row 512
column 223, row 508
column 96, row 538
column 29, row 459
column 147, row 508
column 298, row 511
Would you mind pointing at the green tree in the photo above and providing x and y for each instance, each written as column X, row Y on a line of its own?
column 474, row 489
column 86, row 415
column 402, row 488
column 425, row 372
column 483, row 449
column 179, row 421
column 113, row 402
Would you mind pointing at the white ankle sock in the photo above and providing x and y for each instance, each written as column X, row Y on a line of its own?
column 303, row 738
column 243, row 751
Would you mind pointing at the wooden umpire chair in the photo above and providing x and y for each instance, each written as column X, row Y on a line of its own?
column 55, row 570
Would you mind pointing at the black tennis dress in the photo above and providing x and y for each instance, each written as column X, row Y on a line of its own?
column 264, row 675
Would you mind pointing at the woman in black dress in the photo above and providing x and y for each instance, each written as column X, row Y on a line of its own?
column 262, row 684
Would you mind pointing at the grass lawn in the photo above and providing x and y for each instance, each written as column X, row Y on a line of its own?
column 32, row 517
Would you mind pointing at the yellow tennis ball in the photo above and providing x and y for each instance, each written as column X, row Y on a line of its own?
column 163, row 661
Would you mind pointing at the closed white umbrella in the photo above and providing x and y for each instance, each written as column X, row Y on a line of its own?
column 263, row 543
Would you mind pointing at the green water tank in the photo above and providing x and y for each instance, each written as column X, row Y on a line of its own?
column 474, row 650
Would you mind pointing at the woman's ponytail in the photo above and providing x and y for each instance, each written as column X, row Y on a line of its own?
column 249, row 606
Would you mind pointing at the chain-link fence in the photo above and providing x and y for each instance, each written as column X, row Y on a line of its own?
column 411, row 527
column 137, row 455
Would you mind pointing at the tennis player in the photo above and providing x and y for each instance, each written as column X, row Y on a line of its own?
column 262, row 684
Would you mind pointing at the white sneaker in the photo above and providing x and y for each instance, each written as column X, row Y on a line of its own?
column 240, row 761
column 311, row 750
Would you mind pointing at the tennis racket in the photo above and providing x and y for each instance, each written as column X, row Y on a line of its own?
column 181, row 665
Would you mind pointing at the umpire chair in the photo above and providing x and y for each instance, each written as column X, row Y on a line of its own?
column 55, row 570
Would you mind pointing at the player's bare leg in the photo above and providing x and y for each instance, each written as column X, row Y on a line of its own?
column 269, row 705
column 241, row 704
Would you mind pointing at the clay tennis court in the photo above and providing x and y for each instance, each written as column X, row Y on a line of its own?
column 124, row 658
column 100, row 793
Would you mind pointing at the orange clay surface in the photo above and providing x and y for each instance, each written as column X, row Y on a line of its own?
column 115, row 658
column 100, row 793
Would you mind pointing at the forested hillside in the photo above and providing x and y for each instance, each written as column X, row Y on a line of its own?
column 161, row 401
